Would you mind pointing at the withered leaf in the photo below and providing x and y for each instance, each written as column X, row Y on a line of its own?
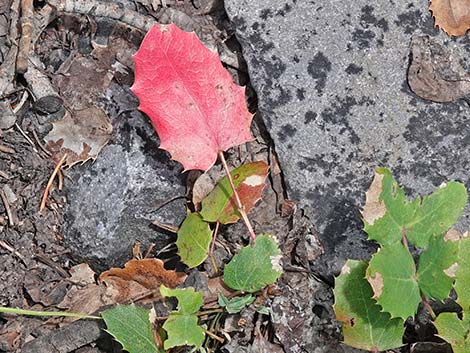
column 435, row 73
column 80, row 134
column 452, row 16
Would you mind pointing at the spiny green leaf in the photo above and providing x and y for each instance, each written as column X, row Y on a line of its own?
column 249, row 180
column 434, row 262
column 255, row 266
column 392, row 275
column 189, row 301
column 461, row 269
column 194, row 238
column 236, row 304
column 454, row 331
column 388, row 215
column 365, row 326
column 183, row 330
column 131, row 327
column 182, row 325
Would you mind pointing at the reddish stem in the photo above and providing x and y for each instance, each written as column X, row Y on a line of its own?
column 240, row 207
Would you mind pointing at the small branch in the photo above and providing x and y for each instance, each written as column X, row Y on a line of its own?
column 51, row 180
column 25, row 40
column 211, row 251
column 241, row 208
column 6, row 204
column 15, row 311
column 210, row 334
column 211, row 311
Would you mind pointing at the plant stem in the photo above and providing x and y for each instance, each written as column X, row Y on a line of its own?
column 240, row 207
column 15, row 311
column 220, row 339
column 211, row 251
column 428, row 307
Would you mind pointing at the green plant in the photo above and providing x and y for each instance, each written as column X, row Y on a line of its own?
column 373, row 300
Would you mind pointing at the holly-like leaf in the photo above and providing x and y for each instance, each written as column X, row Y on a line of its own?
column 249, row 180
column 194, row 238
column 434, row 264
column 365, row 326
column 388, row 215
column 454, row 331
column 182, row 325
column 392, row 275
column 453, row 16
column 236, row 304
column 131, row 327
column 255, row 266
column 191, row 99
column 460, row 270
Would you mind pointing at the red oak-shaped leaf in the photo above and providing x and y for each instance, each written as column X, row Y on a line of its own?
column 195, row 107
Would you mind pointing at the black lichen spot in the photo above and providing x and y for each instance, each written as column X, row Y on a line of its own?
column 239, row 23
column 284, row 10
column 255, row 26
column 287, row 130
column 368, row 19
column 338, row 114
column 318, row 69
column 354, row 69
column 363, row 38
column 296, row 59
column 260, row 43
column 412, row 20
column 300, row 94
column 266, row 13
column 309, row 117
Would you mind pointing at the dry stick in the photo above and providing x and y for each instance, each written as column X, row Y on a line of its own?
column 220, row 339
column 51, row 180
column 13, row 251
column 240, row 207
column 7, row 208
column 211, row 251
column 25, row 40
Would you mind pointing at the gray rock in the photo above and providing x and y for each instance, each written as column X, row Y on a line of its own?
column 113, row 201
column 331, row 83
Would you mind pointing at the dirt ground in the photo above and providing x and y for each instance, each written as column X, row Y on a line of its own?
column 78, row 52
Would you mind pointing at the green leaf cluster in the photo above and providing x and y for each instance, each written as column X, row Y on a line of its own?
column 182, row 325
column 194, row 235
column 373, row 300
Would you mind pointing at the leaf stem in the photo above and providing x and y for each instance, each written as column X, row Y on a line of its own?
column 15, row 311
column 428, row 307
column 240, row 207
column 220, row 339
column 211, row 251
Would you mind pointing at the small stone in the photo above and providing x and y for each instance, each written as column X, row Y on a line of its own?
column 7, row 117
column 48, row 105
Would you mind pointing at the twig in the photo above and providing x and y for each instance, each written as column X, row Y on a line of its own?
column 220, row 339
column 41, row 146
column 240, row 207
column 169, row 227
column 4, row 175
column 7, row 208
column 51, row 180
column 211, row 251
column 26, row 137
column 13, row 251
column 6, row 149
column 23, row 100
column 25, row 40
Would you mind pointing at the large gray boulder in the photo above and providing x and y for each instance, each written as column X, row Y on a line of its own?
column 332, row 88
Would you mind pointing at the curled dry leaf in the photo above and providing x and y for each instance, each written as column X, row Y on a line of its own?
column 191, row 99
column 452, row 16
column 137, row 276
column 435, row 72
column 374, row 208
column 80, row 134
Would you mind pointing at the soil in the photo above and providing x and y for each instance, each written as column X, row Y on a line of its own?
column 35, row 261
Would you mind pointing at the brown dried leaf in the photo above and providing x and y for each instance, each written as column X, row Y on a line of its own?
column 82, row 274
column 149, row 273
column 435, row 72
column 452, row 16
column 374, row 208
column 81, row 134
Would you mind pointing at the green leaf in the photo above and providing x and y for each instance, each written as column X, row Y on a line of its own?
column 182, row 325
column 454, row 331
column 392, row 275
column 194, row 238
column 236, row 304
column 388, row 215
column 131, row 327
column 249, row 180
column 255, row 266
column 365, row 326
column 461, row 268
column 189, row 301
column 263, row 310
column 434, row 262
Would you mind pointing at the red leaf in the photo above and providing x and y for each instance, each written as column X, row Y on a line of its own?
column 195, row 107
